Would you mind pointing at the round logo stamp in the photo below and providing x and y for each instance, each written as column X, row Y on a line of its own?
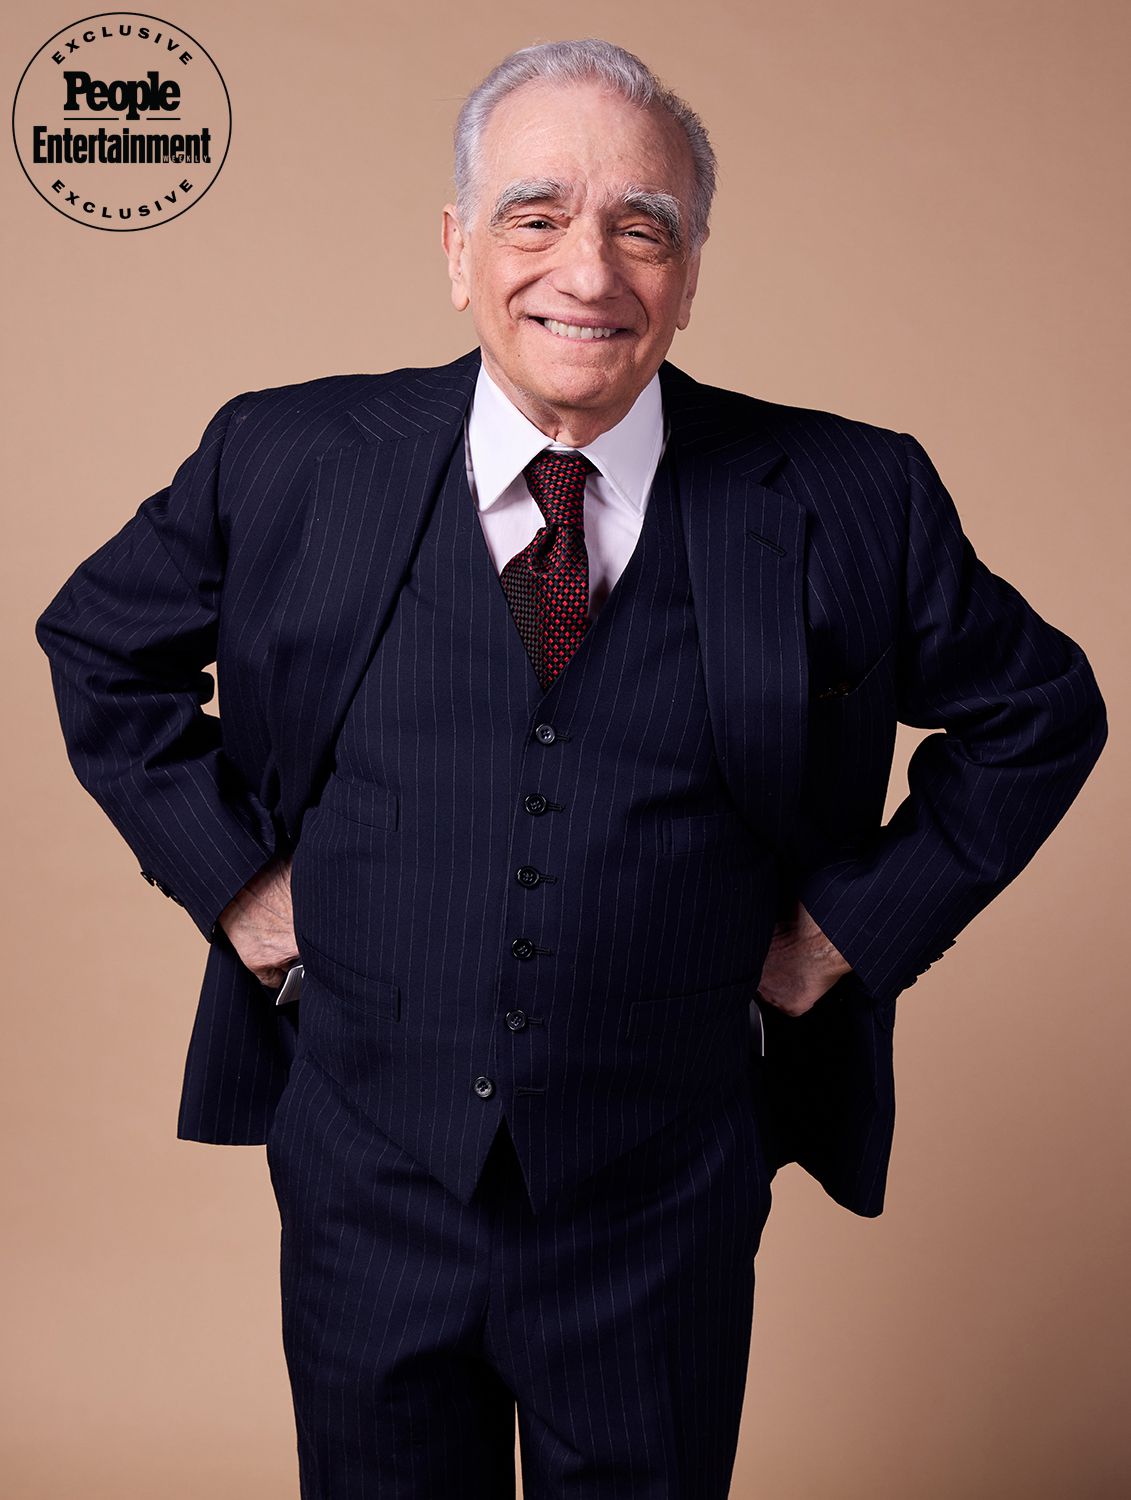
column 121, row 121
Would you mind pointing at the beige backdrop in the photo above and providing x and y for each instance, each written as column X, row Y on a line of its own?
column 920, row 222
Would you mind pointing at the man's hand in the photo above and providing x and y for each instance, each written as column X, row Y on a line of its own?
column 801, row 964
column 259, row 923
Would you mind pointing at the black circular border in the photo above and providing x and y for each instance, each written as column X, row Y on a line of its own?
column 141, row 228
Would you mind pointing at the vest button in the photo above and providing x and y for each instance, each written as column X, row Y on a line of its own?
column 484, row 1087
column 545, row 733
column 522, row 948
column 534, row 802
column 527, row 875
column 516, row 1019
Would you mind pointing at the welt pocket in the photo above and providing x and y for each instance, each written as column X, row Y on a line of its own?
column 688, row 1008
column 362, row 992
column 847, row 687
column 368, row 802
column 684, row 834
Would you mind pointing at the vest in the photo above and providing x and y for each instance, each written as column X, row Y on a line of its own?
column 538, row 911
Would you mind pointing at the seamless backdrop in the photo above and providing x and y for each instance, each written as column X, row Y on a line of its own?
column 921, row 222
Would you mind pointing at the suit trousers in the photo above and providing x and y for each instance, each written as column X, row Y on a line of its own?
column 616, row 1322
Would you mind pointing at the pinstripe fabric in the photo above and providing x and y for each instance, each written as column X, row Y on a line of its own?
column 606, row 1278
column 619, row 1318
column 833, row 593
column 457, row 779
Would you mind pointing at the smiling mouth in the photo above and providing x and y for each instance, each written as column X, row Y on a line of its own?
column 579, row 333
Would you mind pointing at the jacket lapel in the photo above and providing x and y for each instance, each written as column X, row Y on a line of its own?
column 371, row 496
column 745, row 549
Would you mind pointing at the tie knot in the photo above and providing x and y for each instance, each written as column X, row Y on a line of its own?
column 557, row 482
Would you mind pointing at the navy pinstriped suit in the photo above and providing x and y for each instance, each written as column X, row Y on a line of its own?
column 532, row 923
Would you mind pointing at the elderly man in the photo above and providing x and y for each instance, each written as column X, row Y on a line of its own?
column 560, row 692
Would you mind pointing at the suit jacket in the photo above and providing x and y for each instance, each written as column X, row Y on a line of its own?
column 835, row 595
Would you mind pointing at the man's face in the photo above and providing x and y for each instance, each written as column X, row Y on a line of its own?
column 571, row 251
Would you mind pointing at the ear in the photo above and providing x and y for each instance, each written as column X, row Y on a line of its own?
column 689, row 290
column 451, row 236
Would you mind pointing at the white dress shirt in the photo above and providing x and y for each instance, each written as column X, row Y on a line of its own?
column 499, row 441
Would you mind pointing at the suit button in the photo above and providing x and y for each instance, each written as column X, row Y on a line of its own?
column 516, row 1019
column 534, row 802
column 484, row 1087
column 545, row 733
column 522, row 948
column 527, row 875
column 145, row 875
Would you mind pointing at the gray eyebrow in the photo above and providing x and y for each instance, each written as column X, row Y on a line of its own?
column 662, row 208
column 526, row 190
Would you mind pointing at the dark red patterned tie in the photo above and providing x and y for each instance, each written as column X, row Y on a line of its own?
column 547, row 583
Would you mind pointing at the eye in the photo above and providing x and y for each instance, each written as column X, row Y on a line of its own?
column 531, row 223
column 647, row 237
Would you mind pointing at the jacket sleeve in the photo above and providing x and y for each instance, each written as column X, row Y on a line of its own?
column 128, row 636
column 1023, row 724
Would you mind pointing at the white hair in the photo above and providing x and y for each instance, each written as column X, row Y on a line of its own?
column 576, row 62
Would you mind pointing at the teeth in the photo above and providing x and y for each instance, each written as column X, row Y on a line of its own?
column 572, row 331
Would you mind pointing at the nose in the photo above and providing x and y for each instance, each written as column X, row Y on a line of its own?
column 584, row 266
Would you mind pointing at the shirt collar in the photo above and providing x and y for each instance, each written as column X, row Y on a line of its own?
column 502, row 441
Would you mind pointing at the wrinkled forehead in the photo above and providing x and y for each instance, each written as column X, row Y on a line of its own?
column 581, row 133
